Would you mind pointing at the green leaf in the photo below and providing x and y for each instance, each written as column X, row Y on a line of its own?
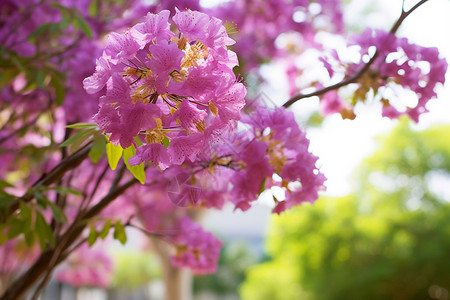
column 60, row 91
column 47, row 27
column 166, row 142
column 119, row 232
column 76, row 140
column 43, row 231
column 30, row 238
column 262, row 188
column 39, row 78
column 41, row 199
column 16, row 227
column 92, row 237
column 58, row 214
column 98, row 148
column 6, row 200
column 138, row 141
column 84, row 26
column 3, row 237
column 114, row 153
column 137, row 171
column 63, row 190
column 17, row 61
column 93, row 8
column 4, row 183
column 82, row 125
column 27, row 217
column 105, row 229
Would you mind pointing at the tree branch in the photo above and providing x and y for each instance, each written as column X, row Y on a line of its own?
column 364, row 69
column 17, row 289
column 68, row 163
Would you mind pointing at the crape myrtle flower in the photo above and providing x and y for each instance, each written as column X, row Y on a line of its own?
column 196, row 249
column 167, row 88
column 272, row 19
column 87, row 266
column 273, row 152
column 399, row 65
column 275, row 146
column 413, row 67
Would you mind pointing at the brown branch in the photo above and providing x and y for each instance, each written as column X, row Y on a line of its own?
column 358, row 74
column 17, row 289
column 69, row 163
column 148, row 233
column 26, row 125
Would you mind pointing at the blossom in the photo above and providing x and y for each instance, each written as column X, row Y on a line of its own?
column 97, row 81
column 167, row 89
column 331, row 103
column 196, row 249
column 401, row 63
column 156, row 27
column 87, row 267
column 276, row 145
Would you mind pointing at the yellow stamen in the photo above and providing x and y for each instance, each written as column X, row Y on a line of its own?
column 155, row 135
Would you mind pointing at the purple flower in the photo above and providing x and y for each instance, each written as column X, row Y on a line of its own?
column 196, row 249
column 190, row 117
column 155, row 28
column 97, row 81
column 413, row 67
column 167, row 88
column 185, row 147
column 193, row 24
column 121, row 47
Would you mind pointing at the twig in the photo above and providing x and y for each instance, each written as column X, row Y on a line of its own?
column 97, row 184
column 21, row 284
column 358, row 74
column 146, row 232
column 54, row 175
column 23, row 127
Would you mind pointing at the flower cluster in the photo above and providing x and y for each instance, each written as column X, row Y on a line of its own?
column 87, row 267
column 398, row 63
column 274, row 18
column 276, row 155
column 197, row 249
column 271, row 154
column 417, row 68
column 172, row 91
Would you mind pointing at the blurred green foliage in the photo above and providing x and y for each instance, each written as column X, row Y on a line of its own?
column 134, row 269
column 234, row 259
column 390, row 239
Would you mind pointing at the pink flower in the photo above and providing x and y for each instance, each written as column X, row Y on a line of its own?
column 185, row 147
column 192, row 24
column 118, row 91
column 167, row 88
column 277, row 146
column 87, row 267
column 331, row 103
column 156, row 153
column 97, row 81
column 156, row 27
column 190, row 116
column 121, row 47
column 230, row 100
column 413, row 67
column 196, row 249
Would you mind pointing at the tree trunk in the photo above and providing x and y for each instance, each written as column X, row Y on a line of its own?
column 177, row 281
